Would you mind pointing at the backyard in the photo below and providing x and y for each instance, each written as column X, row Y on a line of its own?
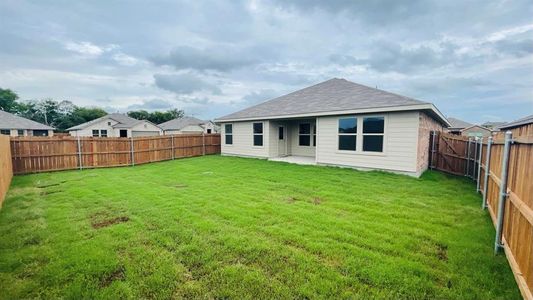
column 225, row 227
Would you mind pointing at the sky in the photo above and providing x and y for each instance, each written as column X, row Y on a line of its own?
column 472, row 58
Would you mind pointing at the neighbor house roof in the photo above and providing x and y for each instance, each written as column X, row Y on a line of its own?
column 458, row 124
column 179, row 123
column 523, row 121
column 331, row 97
column 492, row 124
column 11, row 121
column 123, row 121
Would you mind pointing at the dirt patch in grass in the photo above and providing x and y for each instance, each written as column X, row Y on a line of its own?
column 291, row 199
column 180, row 186
column 44, row 193
column 317, row 201
column 109, row 222
column 117, row 275
column 42, row 186
column 442, row 252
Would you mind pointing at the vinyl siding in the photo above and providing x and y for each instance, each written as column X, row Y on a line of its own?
column 400, row 144
column 243, row 140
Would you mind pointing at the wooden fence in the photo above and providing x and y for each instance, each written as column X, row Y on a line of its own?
column 44, row 154
column 483, row 161
column 6, row 170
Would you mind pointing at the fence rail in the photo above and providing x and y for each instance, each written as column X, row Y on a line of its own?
column 509, row 201
column 44, row 154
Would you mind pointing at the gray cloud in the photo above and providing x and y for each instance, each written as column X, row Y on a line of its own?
column 153, row 104
column 184, row 84
column 221, row 58
column 260, row 96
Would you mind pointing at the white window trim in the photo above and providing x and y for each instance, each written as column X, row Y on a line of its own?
column 310, row 134
column 373, row 134
column 232, row 135
column 261, row 134
column 359, row 134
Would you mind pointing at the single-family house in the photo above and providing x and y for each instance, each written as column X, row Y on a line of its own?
column 476, row 131
column 13, row 125
column 520, row 127
column 457, row 125
column 188, row 125
column 336, row 122
column 116, row 125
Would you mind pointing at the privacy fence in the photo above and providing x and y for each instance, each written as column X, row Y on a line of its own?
column 44, row 154
column 6, row 171
column 503, row 170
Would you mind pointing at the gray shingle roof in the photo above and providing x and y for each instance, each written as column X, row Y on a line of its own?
column 519, row 122
column 331, row 95
column 458, row 124
column 11, row 121
column 123, row 121
column 179, row 123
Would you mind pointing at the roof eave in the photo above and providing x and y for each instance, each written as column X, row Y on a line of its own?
column 423, row 106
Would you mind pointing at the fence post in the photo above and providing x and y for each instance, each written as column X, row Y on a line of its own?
column 172, row 138
column 432, row 153
column 479, row 165
column 467, row 157
column 80, row 163
column 487, row 172
column 203, row 143
column 476, row 139
column 132, row 152
column 503, row 192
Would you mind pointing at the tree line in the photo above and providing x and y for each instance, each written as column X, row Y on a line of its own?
column 65, row 114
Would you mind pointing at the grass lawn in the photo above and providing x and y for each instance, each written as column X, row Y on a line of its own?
column 224, row 227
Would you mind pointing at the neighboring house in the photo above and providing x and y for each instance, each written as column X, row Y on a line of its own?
column 188, row 125
column 520, row 127
column 493, row 125
column 13, row 125
column 116, row 125
column 336, row 122
column 476, row 131
column 456, row 125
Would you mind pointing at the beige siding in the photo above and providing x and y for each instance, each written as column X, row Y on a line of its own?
column 400, row 144
column 426, row 125
column 243, row 140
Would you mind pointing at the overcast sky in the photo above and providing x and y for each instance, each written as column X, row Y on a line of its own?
column 473, row 59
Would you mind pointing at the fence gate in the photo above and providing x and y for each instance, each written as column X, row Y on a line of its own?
column 455, row 154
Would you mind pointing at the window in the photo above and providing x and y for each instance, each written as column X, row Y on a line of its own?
column 108, row 123
column 258, row 134
column 314, row 135
column 280, row 133
column 20, row 132
column 95, row 133
column 40, row 133
column 208, row 131
column 304, row 134
column 348, row 134
column 373, row 131
column 5, row 131
column 103, row 133
column 228, row 134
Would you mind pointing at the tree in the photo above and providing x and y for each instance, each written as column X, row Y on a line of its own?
column 8, row 100
column 156, row 117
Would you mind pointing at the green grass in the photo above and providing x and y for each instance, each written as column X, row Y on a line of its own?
column 223, row 227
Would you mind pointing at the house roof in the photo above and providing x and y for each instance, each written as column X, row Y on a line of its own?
column 476, row 126
column 493, row 124
column 523, row 121
column 458, row 124
column 334, row 96
column 179, row 123
column 123, row 121
column 11, row 121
